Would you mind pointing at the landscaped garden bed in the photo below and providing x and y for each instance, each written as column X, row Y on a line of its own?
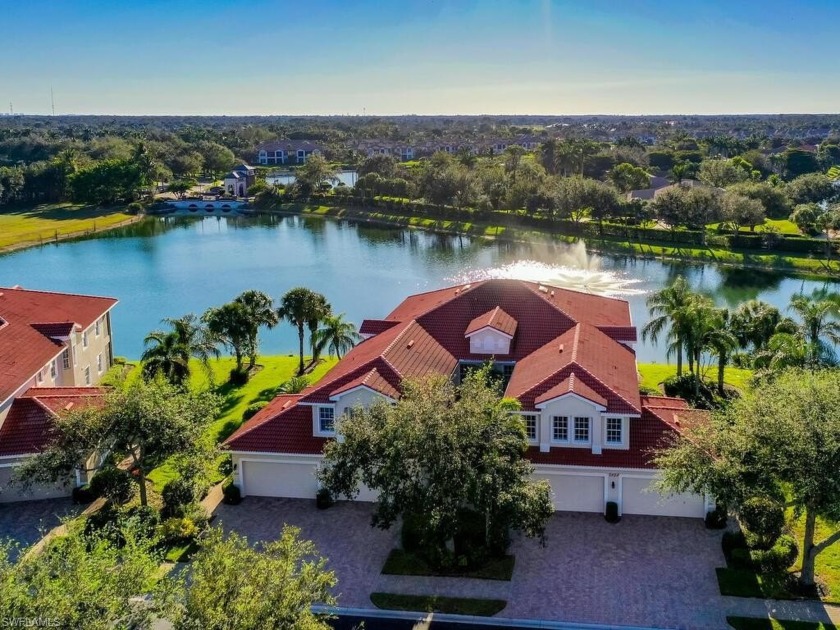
column 401, row 562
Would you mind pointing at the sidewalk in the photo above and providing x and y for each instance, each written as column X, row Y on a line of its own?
column 791, row 610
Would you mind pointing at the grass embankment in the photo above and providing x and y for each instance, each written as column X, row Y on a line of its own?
column 431, row 603
column 759, row 259
column 652, row 374
column 828, row 561
column 747, row 623
column 272, row 372
column 49, row 223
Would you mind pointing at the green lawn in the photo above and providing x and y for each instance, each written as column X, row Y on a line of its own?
column 235, row 400
column 747, row 623
column 828, row 561
column 654, row 373
column 784, row 226
column 402, row 562
column 450, row 605
column 747, row 583
column 46, row 222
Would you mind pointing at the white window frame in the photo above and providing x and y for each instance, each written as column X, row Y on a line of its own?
column 97, row 327
column 554, row 424
column 74, row 355
column 319, row 427
column 99, row 364
column 86, row 375
column 53, row 368
column 574, row 435
column 39, row 378
column 607, row 429
column 85, row 339
column 525, row 415
column 65, row 359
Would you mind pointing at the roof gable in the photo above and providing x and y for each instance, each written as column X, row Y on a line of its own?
column 495, row 319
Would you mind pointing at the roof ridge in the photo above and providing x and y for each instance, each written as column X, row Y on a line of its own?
column 608, row 388
column 42, row 291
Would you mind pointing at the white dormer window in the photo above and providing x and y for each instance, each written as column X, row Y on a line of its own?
column 615, row 434
column 560, row 429
column 581, row 435
column 326, row 420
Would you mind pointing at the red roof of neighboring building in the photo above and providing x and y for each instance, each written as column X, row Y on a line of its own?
column 28, row 424
column 30, row 321
column 496, row 319
column 425, row 334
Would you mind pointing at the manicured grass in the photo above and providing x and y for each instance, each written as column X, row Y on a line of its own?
column 748, row 623
column 828, row 561
column 48, row 222
column 402, row 562
column 182, row 552
column 652, row 374
column 274, row 370
column 745, row 583
column 450, row 605
column 784, row 226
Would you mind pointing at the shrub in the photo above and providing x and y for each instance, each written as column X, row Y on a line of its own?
column 232, row 494
column 238, row 377
column 252, row 410
column 114, row 484
column 323, row 499
column 612, row 512
column 177, row 494
column 82, row 495
column 135, row 207
column 175, row 530
column 144, row 518
column 716, row 519
column 779, row 557
column 412, row 532
column 102, row 519
column 762, row 519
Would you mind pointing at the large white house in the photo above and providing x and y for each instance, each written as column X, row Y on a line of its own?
column 566, row 356
column 54, row 349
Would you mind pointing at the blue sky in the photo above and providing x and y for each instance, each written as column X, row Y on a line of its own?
column 420, row 56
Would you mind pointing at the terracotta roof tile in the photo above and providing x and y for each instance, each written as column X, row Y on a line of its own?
column 376, row 326
column 281, row 427
column 373, row 380
column 23, row 349
column 496, row 319
column 572, row 385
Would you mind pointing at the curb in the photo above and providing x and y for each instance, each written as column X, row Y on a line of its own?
column 376, row 613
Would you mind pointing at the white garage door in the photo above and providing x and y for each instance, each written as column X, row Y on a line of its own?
column 640, row 499
column 576, row 493
column 273, row 479
column 12, row 493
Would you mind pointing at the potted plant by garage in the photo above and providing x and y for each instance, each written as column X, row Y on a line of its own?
column 323, row 499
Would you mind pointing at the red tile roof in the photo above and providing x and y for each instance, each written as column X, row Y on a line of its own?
column 496, row 319
column 425, row 334
column 28, row 424
column 55, row 329
column 571, row 385
column 375, row 326
column 374, row 380
column 24, row 346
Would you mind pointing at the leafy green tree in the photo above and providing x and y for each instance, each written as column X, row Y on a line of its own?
column 666, row 307
column 687, row 207
column 782, row 440
column 315, row 172
column 811, row 188
column 337, row 335
column 626, row 177
column 754, row 322
column 439, row 450
column 259, row 311
column 300, row 307
column 798, row 162
column 721, row 173
column 513, row 158
column 819, row 324
column 143, row 422
column 741, row 211
column 719, row 340
column 216, row 157
column 185, row 164
column 107, row 182
column 234, row 586
column 181, row 187
column 85, row 581
column 773, row 198
column 230, row 325
column 383, row 165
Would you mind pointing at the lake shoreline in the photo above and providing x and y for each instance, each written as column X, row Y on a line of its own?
column 518, row 235
column 69, row 236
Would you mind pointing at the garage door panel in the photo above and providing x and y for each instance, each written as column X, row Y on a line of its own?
column 9, row 493
column 576, row 493
column 640, row 498
column 275, row 479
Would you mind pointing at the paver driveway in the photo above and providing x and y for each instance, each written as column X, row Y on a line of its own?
column 645, row 571
column 27, row 521
column 355, row 550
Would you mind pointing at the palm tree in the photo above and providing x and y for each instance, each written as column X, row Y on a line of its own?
column 165, row 355
column 260, row 311
column 785, row 350
column 294, row 385
column 321, row 310
column 337, row 335
column 721, row 342
column 300, row 307
column 229, row 324
column 819, row 326
column 754, row 322
column 169, row 353
column 666, row 308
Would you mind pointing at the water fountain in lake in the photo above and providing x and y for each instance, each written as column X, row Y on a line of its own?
column 569, row 267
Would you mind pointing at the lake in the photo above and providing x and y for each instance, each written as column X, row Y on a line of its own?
column 169, row 266
column 348, row 178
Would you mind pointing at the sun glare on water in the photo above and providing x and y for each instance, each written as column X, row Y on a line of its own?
column 595, row 281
